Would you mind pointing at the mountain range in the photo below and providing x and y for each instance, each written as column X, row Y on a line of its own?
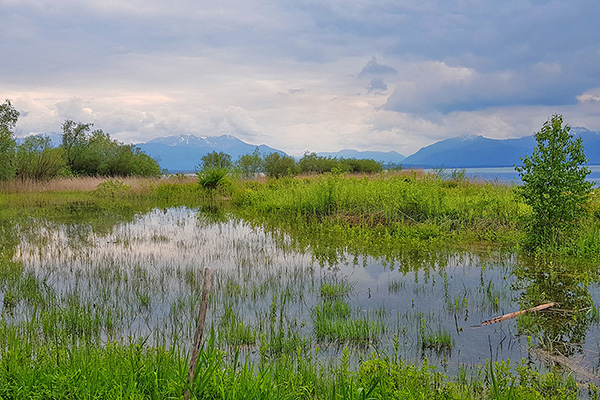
column 184, row 152
column 477, row 151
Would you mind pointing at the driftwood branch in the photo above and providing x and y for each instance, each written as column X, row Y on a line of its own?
column 199, row 333
column 514, row 314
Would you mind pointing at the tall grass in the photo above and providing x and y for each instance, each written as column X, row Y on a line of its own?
column 389, row 207
column 426, row 208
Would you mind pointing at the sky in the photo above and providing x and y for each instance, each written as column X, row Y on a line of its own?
column 302, row 75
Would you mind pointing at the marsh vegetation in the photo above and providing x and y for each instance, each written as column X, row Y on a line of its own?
column 332, row 286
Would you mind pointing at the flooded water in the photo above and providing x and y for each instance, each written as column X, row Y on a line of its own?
column 147, row 274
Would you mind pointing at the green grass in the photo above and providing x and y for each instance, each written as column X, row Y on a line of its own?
column 139, row 370
column 439, row 341
column 335, row 289
column 346, row 330
column 233, row 331
column 426, row 208
column 333, row 321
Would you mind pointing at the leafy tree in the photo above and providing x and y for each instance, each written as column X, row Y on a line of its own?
column 75, row 138
column 277, row 165
column 218, row 160
column 361, row 165
column 250, row 165
column 554, row 184
column 213, row 172
column 313, row 163
column 8, row 121
column 142, row 164
column 96, row 153
column 36, row 159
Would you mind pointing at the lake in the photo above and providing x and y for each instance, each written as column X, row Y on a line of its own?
column 509, row 175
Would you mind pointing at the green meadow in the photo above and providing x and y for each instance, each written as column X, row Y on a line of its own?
column 334, row 286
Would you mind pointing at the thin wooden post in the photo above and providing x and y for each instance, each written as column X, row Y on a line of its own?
column 199, row 333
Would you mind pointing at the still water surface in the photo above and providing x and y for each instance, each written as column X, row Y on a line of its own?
column 149, row 272
column 509, row 175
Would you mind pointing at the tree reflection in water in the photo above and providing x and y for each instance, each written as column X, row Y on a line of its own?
column 560, row 330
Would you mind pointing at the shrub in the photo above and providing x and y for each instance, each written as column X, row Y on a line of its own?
column 554, row 185
column 213, row 178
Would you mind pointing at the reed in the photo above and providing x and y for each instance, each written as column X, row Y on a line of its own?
column 88, row 184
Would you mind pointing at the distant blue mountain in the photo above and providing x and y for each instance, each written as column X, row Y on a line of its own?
column 478, row 151
column 182, row 153
column 591, row 143
column 471, row 151
column 390, row 157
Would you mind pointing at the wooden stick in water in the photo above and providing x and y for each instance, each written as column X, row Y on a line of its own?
column 199, row 333
column 514, row 314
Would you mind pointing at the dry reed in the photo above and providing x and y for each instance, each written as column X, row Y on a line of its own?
column 86, row 184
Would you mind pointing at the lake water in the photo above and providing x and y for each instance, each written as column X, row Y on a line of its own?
column 509, row 175
column 147, row 274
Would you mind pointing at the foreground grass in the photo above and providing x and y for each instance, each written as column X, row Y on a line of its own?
column 33, row 370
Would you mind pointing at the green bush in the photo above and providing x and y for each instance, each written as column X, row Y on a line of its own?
column 554, row 185
column 213, row 178
column 37, row 160
column 277, row 165
column 112, row 188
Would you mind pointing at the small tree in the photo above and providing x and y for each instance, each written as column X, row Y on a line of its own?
column 313, row 163
column 75, row 139
column 8, row 121
column 277, row 165
column 218, row 160
column 250, row 165
column 37, row 160
column 214, row 170
column 554, row 184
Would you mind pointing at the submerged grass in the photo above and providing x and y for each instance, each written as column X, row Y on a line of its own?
column 334, row 321
column 335, row 289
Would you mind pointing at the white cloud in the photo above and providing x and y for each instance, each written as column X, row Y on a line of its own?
column 590, row 96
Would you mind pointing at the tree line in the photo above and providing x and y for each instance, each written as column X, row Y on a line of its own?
column 216, row 166
column 84, row 151
column 278, row 165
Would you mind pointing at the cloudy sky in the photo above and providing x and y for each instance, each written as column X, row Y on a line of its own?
column 318, row 75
